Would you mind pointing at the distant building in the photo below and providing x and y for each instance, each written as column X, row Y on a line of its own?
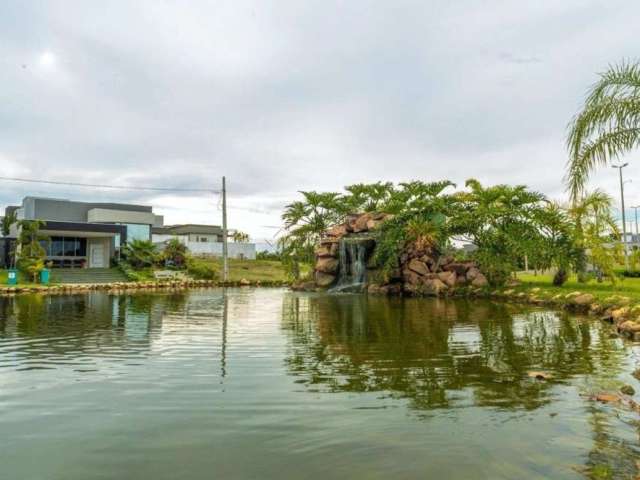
column 88, row 234
column 204, row 240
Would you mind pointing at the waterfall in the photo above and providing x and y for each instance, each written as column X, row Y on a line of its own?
column 353, row 265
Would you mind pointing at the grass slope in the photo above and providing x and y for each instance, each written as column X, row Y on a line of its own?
column 628, row 287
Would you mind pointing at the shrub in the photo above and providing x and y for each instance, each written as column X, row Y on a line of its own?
column 175, row 254
column 140, row 253
column 201, row 270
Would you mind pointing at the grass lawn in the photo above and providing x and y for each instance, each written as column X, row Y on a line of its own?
column 252, row 270
column 628, row 287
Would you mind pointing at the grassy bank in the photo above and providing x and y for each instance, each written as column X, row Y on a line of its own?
column 252, row 270
column 627, row 287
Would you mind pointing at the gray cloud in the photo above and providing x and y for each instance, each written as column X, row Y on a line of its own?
column 283, row 96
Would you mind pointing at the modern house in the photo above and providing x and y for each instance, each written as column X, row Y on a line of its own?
column 88, row 234
column 188, row 233
column 203, row 240
column 84, row 234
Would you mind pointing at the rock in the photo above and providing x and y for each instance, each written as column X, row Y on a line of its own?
column 327, row 265
column 472, row 273
column 244, row 282
column 606, row 397
column 449, row 278
column 583, row 299
column 419, row 267
column 337, row 231
column 461, row 280
column 539, row 375
column 619, row 314
column 458, row 267
column 629, row 328
column 374, row 289
column 410, row 277
column 636, row 374
column 325, row 251
column 360, row 224
column 480, row 281
column 324, row 279
column 434, row 286
column 627, row 390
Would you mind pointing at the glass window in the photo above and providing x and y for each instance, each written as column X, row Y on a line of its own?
column 138, row 232
column 82, row 247
column 70, row 246
column 57, row 247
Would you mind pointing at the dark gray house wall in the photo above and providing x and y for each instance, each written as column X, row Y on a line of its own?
column 69, row 211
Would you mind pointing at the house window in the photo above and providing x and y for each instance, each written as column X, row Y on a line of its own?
column 66, row 247
column 137, row 231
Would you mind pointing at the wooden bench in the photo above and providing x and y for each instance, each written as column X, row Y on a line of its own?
column 169, row 275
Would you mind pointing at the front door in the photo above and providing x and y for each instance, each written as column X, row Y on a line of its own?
column 96, row 255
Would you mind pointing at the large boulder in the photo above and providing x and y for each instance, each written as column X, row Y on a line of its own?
column 472, row 273
column 434, row 286
column 337, row 231
column 479, row 280
column 360, row 224
column 324, row 279
column 449, row 278
column 327, row 265
column 419, row 267
column 459, row 267
column 583, row 299
column 410, row 277
column 325, row 250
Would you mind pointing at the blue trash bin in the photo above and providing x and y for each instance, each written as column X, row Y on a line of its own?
column 12, row 276
column 44, row 276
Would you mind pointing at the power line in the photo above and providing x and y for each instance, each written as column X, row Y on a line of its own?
column 119, row 187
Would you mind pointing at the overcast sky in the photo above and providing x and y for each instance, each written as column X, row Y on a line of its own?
column 289, row 95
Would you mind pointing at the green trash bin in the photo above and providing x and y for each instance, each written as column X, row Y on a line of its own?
column 12, row 276
column 44, row 276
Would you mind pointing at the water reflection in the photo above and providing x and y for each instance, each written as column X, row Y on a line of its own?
column 295, row 379
column 438, row 355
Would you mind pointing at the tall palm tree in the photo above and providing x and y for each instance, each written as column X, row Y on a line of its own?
column 607, row 126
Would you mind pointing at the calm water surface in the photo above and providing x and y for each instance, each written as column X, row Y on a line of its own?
column 267, row 384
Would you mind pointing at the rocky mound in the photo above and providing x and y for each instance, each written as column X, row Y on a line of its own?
column 422, row 270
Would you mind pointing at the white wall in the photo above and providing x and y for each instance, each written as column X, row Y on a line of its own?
column 236, row 250
column 214, row 249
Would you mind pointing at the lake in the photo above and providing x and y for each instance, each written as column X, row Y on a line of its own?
column 266, row 383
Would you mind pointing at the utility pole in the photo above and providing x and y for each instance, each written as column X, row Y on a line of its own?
column 624, row 220
column 225, row 251
column 635, row 208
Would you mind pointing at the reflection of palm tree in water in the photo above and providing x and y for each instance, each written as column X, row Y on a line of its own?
column 424, row 350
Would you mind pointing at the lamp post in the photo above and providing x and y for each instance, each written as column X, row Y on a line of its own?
column 624, row 220
column 635, row 208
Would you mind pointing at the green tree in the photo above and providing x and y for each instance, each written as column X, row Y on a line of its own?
column 594, row 232
column 7, row 221
column 140, row 253
column 607, row 126
column 175, row 253
column 240, row 237
column 31, row 254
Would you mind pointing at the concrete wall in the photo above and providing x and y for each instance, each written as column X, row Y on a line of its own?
column 70, row 211
column 214, row 249
column 107, row 215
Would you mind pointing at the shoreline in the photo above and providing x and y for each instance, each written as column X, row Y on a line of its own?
column 618, row 310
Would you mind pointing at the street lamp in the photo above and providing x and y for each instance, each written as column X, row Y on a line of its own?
column 624, row 220
column 635, row 208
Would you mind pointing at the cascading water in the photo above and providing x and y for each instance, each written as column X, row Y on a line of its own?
column 353, row 265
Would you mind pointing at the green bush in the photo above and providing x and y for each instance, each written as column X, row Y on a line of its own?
column 201, row 270
column 140, row 254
